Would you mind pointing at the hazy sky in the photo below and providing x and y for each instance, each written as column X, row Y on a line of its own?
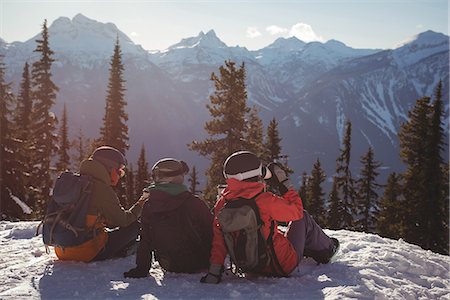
column 249, row 23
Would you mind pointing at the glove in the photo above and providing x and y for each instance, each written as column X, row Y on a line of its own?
column 279, row 179
column 135, row 273
column 214, row 274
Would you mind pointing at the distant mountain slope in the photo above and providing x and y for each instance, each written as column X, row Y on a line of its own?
column 311, row 88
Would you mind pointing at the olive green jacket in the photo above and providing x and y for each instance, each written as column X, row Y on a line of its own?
column 104, row 201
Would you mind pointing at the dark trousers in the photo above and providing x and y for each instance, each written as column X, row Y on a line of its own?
column 309, row 239
column 119, row 241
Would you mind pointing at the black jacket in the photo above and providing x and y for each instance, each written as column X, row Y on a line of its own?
column 199, row 216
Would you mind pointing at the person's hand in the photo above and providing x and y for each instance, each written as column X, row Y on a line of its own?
column 143, row 198
column 279, row 178
column 214, row 275
column 135, row 273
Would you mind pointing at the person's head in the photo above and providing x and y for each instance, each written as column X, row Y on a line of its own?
column 169, row 170
column 245, row 166
column 113, row 161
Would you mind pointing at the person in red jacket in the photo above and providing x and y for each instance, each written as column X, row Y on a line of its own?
column 245, row 177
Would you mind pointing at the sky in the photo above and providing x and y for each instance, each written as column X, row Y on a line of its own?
column 156, row 25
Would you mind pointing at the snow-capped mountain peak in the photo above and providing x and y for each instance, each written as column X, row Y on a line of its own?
column 87, row 35
column 203, row 40
column 287, row 44
column 420, row 46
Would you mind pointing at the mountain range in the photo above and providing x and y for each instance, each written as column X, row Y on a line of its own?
column 310, row 88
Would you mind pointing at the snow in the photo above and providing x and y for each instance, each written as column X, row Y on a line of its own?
column 368, row 266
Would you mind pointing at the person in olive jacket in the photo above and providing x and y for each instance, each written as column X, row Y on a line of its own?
column 176, row 225
column 105, row 166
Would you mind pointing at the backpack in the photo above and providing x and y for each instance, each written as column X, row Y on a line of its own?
column 177, row 245
column 64, row 223
column 241, row 225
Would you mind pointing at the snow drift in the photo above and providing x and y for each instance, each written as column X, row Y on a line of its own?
column 368, row 266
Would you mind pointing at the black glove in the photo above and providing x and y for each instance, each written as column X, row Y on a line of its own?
column 136, row 273
column 279, row 179
column 214, row 274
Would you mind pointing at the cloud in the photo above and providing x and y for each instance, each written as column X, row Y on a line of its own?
column 305, row 33
column 133, row 34
column 253, row 32
column 420, row 26
column 274, row 30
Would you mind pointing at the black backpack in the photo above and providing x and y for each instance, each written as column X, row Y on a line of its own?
column 64, row 223
column 177, row 245
column 241, row 225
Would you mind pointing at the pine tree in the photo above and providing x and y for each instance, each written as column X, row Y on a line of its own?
column 335, row 211
column 44, row 139
column 345, row 183
column 272, row 145
column 437, row 221
column 142, row 174
column 10, row 171
column 254, row 136
column 303, row 191
column 367, row 193
column 81, row 144
column 315, row 194
column 114, row 131
column 390, row 220
column 64, row 144
column 421, row 144
column 130, row 187
column 227, row 129
column 22, row 125
column 193, row 180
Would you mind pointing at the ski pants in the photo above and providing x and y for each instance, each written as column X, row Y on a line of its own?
column 119, row 241
column 308, row 239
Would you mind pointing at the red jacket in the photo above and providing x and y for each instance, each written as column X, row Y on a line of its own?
column 271, row 207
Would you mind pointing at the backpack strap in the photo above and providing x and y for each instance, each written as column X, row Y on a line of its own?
column 274, row 262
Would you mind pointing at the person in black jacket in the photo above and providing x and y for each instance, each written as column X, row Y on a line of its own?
column 176, row 226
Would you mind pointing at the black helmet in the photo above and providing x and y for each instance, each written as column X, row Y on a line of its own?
column 169, row 170
column 110, row 157
column 244, row 165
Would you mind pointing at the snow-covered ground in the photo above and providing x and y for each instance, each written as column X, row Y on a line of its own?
column 367, row 267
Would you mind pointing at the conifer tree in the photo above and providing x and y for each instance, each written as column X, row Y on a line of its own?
column 130, row 187
column 303, row 191
column 227, row 129
column 367, row 193
column 9, row 168
column 44, row 138
column 273, row 146
column 142, row 174
column 22, row 117
column 390, row 221
column 64, row 144
column 254, row 136
column 315, row 194
column 193, row 180
column 421, row 143
column 437, row 240
column 345, row 183
column 335, row 208
column 114, row 131
column 22, row 125
column 81, row 145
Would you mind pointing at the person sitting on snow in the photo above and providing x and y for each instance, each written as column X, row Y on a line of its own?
column 245, row 177
column 176, row 225
column 105, row 166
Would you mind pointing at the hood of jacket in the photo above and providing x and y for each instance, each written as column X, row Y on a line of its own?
column 165, row 197
column 96, row 170
column 236, row 188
